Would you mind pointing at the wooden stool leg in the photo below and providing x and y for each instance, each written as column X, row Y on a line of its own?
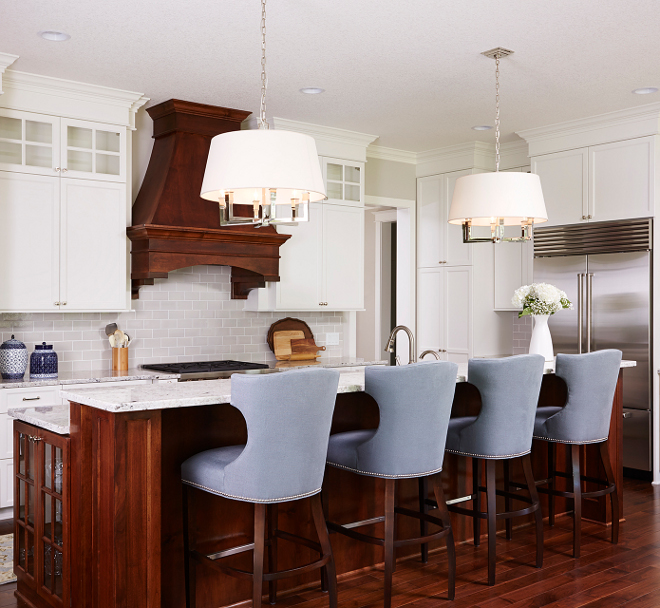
column 324, row 539
column 188, row 545
column 492, row 519
column 272, row 550
column 507, row 500
column 258, row 554
column 538, row 515
column 423, row 508
column 614, row 496
column 551, row 483
column 451, row 549
column 577, row 499
column 390, row 491
column 476, row 501
column 324, row 505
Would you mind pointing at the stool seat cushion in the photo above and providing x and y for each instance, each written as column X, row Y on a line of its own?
column 343, row 448
column 542, row 414
column 206, row 470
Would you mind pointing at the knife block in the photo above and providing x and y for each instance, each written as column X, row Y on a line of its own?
column 119, row 359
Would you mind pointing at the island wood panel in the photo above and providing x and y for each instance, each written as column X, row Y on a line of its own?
column 126, row 493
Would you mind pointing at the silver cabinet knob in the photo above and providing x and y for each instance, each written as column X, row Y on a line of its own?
column 56, row 303
column 63, row 303
column 64, row 170
column 57, row 169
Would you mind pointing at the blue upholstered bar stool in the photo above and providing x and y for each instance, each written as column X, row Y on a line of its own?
column 509, row 389
column 591, row 380
column 288, row 418
column 414, row 403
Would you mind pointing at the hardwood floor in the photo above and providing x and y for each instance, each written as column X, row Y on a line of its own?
column 627, row 574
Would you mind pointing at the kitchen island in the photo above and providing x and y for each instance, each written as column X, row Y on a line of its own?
column 123, row 539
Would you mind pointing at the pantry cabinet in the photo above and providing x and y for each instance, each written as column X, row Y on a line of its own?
column 604, row 182
column 321, row 266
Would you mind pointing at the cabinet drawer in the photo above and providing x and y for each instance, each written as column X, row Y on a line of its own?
column 28, row 397
column 6, row 483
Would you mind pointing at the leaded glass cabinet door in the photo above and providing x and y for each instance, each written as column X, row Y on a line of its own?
column 25, row 502
column 29, row 143
column 52, row 480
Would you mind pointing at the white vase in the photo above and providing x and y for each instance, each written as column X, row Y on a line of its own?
column 541, row 343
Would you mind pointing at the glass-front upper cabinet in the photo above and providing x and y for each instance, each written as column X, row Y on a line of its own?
column 29, row 143
column 93, row 150
column 344, row 181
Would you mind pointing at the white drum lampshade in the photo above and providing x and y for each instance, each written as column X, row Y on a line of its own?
column 266, row 169
column 509, row 199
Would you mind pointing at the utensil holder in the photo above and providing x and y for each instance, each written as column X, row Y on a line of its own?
column 119, row 359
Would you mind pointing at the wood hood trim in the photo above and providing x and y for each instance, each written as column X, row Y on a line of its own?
column 173, row 227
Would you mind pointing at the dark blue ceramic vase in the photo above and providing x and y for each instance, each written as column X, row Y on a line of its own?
column 43, row 362
column 13, row 359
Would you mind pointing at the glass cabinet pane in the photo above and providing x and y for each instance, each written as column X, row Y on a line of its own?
column 38, row 156
column 108, row 141
column 39, row 132
column 22, row 446
column 109, row 165
column 30, row 506
column 11, row 128
column 335, row 172
column 59, row 470
column 47, row 469
column 79, row 161
column 335, row 191
column 29, row 554
column 352, row 174
column 11, row 153
column 351, row 192
column 77, row 137
column 30, row 460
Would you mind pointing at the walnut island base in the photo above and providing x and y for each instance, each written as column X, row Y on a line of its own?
column 124, row 536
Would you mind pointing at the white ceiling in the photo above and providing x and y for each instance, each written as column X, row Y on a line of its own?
column 409, row 71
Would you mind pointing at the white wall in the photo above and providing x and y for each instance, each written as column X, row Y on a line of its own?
column 366, row 328
column 390, row 179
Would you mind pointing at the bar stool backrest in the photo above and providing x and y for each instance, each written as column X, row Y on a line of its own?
column 591, row 380
column 414, row 403
column 288, row 418
column 509, row 389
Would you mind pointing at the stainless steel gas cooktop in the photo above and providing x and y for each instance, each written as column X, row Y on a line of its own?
column 205, row 370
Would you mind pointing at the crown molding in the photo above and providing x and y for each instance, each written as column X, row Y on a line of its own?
column 386, row 201
column 6, row 59
column 639, row 121
column 470, row 155
column 393, row 154
column 330, row 141
column 67, row 98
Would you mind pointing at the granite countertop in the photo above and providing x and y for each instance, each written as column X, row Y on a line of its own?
column 55, row 418
column 92, row 377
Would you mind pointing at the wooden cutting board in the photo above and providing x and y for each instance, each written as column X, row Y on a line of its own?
column 288, row 324
column 282, row 343
column 302, row 350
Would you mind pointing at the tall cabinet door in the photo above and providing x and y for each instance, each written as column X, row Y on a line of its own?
column 29, row 247
column 457, row 253
column 301, row 264
column 430, row 241
column 431, row 327
column 93, row 251
column 458, row 313
column 565, row 184
column 343, row 256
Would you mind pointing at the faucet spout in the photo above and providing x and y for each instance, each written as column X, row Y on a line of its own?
column 411, row 342
column 430, row 352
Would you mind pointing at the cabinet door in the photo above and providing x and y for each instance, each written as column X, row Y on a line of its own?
column 430, row 215
column 458, row 313
column 93, row 150
column 25, row 503
column 29, row 247
column 29, row 143
column 621, row 179
column 93, row 252
column 430, row 313
column 344, row 181
column 343, row 257
column 565, row 185
column 457, row 253
column 301, row 264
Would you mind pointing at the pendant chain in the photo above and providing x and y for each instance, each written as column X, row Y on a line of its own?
column 264, row 81
column 497, row 112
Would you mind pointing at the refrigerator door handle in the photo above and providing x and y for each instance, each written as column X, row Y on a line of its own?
column 579, row 311
column 590, row 278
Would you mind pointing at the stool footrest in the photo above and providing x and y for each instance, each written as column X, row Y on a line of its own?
column 294, row 538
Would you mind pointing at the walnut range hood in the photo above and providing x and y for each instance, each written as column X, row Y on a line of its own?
column 173, row 227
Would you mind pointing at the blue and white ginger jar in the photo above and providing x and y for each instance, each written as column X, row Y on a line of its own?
column 13, row 359
column 43, row 362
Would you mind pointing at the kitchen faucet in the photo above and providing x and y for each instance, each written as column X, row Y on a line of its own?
column 430, row 352
column 411, row 344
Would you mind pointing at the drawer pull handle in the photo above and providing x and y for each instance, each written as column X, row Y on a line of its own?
column 31, row 398
column 627, row 414
column 34, row 438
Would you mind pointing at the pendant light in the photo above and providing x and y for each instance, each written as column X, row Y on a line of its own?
column 497, row 199
column 260, row 176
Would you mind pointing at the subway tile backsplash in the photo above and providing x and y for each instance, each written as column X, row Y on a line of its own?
column 187, row 317
column 522, row 334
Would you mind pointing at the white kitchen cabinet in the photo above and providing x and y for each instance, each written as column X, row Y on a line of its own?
column 600, row 183
column 438, row 242
column 321, row 265
column 564, row 181
column 430, row 310
column 93, row 245
column 344, row 181
column 29, row 247
column 6, row 483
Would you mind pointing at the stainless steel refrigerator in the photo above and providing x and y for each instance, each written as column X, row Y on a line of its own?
column 605, row 269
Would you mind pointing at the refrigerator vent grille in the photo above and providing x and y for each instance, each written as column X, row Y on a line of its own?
column 595, row 237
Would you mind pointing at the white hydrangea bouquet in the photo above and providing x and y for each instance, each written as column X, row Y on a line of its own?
column 540, row 299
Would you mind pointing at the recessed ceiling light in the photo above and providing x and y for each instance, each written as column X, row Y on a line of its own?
column 54, row 36
column 312, row 90
column 645, row 90
column 482, row 128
